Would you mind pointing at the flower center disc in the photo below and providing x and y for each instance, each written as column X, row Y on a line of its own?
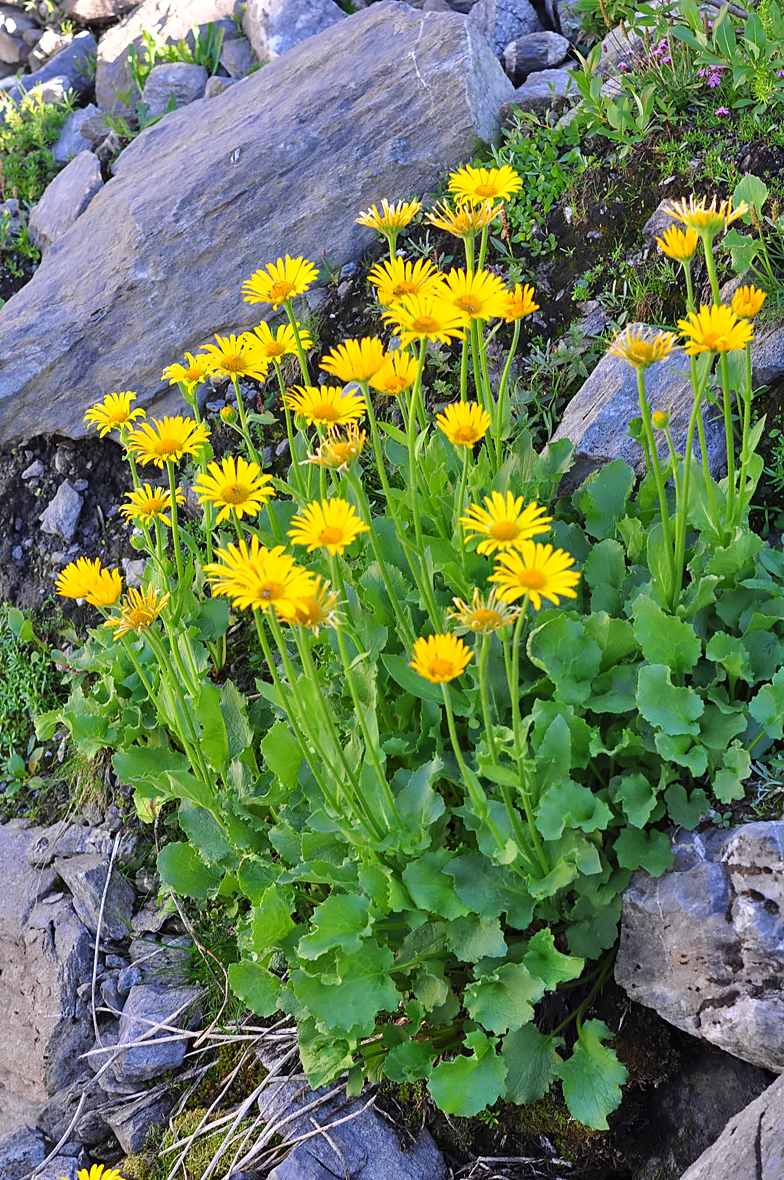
column 484, row 618
column 425, row 323
column 465, row 435
column 331, row 535
column 441, row 669
column 270, row 591
column 234, row 364
column 484, row 190
column 532, row 579
column 325, row 412
column 504, row 530
column 234, row 494
column 281, row 290
column 141, row 616
column 468, row 303
column 167, row 446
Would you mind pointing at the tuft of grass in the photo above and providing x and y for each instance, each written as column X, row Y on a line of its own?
column 27, row 132
column 29, row 686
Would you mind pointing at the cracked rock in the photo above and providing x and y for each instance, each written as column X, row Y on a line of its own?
column 148, row 1005
column 85, row 876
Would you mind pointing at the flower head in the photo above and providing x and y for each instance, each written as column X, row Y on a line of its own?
column 113, row 413
column 715, row 329
column 504, row 523
column 338, row 451
column 281, row 282
column 88, row 580
column 722, row 112
column 519, row 303
column 642, row 347
column 317, row 610
column 482, row 615
column 467, row 220
column 259, row 578
column 478, row 296
column 678, row 244
column 167, row 440
column 138, row 610
column 660, row 419
column 355, row 360
column 484, row 184
column 148, row 503
column 237, row 356
column 536, row 570
column 396, row 278
column 390, row 218
column 440, row 658
column 464, row 423
column 326, row 405
column 426, row 317
column 194, row 372
column 282, row 342
column 228, row 414
column 98, row 1172
column 707, row 220
column 397, row 374
column 234, row 486
column 329, row 524
column 748, row 301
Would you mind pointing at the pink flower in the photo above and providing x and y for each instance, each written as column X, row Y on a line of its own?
column 722, row 112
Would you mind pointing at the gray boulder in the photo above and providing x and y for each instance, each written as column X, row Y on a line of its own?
column 751, row 1144
column 702, row 943
column 620, row 45
column 534, row 52
column 275, row 26
column 659, row 221
column 178, row 80
column 502, row 21
column 73, row 62
column 85, row 876
column 539, row 92
column 62, row 1167
column 237, row 57
column 276, row 165
column 71, row 140
column 88, row 11
column 20, row 1152
column 148, row 1005
column 54, row 1116
column 65, row 198
column 767, row 355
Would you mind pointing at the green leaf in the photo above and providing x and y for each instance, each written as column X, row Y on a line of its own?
column 681, row 750
column 674, row 710
column 728, row 783
column 605, row 571
column 767, row 707
column 544, row 961
column 615, row 637
column 342, row 920
column 324, row 1057
column 467, row 1085
column 352, row 994
column 635, row 795
column 282, row 754
column 213, row 740
column 212, row 619
column 270, row 921
column 592, row 1077
column 593, row 925
column 489, row 890
column 183, row 870
column 431, row 890
column 561, row 648
column 531, row 1060
column 753, row 191
column 418, row 805
column 204, row 833
column 603, row 498
column 615, row 691
column 568, row 804
column 504, row 999
column 256, row 986
column 472, row 938
column 644, row 850
column 684, row 810
column 234, row 709
column 409, row 1061
column 743, row 250
column 665, row 639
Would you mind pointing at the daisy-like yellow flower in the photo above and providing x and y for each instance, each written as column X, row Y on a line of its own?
column 466, row 221
column 87, row 579
column 98, row 1172
column 479, row 296
column 167, row 440
column 426, row 317
column 748, row 301
column 715, row 329
column 281, row 282
column 318, row 610
column 536, row 570
column 338, row 451
column 484, row 184
column 440, row 658
column 282, row 342
column 148, row 503
column 678, row 244
column 707, row 220
column 138, row 610
column 642, row 347
column 520, row 303
column 504, row 522
column 113, row 413
column 329, row 524
column 234, row 486
column 259, row 578
column 464, row 423
column 396, row 278
column 390, row 218
column 397, row 374
column 660, row 419
column 326, row 405
column 194, row 372
column 482, row 615
column 355, row 360
column 237, row 356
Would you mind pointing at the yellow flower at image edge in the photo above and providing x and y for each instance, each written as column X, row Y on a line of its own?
column 642, row 347
column 464, row 423
column 234, row 486
column 195, row 371
column 426, row 317
column 536, row 570
column 440, row 658
column 479, row 296
column 355, row 360
column 325, row 405
column 259, row 578
column 148, row 503
column 390, row 217
column 715, row 329
column 282, row 342
column 138, row 610
column 98, row 1172
column 113, row 412
column 504, row 522
column 87, row 579
column 167, row 440
column 282, row 281
column 331, row 524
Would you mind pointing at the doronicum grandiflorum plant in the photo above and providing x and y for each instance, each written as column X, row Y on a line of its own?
column 480, row 706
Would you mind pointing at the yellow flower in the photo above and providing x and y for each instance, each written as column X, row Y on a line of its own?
column 707, row 220
column 426, row 317
column 391, row 218
column 317, row 610
column 715, row 329
column 480, row 296
column 167, row 440
column 355, row 360
column 236, row 486
column 398, row 373
column 326, row 406
column 642, row 347
column 396, row 278
column 237, row 356
column 138, row 610
column 86, row 579
column 194, row 372
column 504, row 523
column 331, row 524
column 467, row 220
column 519, row 303
column 282, row 281
column 149, row 503
column 259, row 578
column 440, row 658
column 113, row 413
column 536, row 570
column 484, row 184
column 681, row 245
column 660, row 419
column 282, row 343
column 97, row 1172
column 338, row 451
column 748, row 301
column 482, row 615
column 464, row 423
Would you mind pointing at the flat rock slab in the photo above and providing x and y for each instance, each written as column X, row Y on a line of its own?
column 148, row 1005
column 65, row 199
column 180, row 81
column 277, row 164
column 702, row 944
column 85, row 876
column 751, row 1146
column 74, row 62
column 20, row 1152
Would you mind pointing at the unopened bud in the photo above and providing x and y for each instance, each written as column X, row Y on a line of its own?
column 228, row 414
column 661, row 419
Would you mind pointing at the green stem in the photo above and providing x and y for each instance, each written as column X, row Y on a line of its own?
column 711, row 265
column 513, row 672
column 175, row 523
column 289, row 431
column 406, row 631
column 303, row 364
column 645, row 411
column 744, row 448
column 244, row 424
column 729, row 435
column 464, row 371
column 460, row 500
column 484, row 693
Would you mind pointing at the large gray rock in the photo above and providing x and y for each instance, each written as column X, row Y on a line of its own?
column 179, row 80
column 750, row 1146
column 276, row 165
column 275, row 26
column 767, row 356
column 597, row 418
column 148, row 1005
column 71, row 140
column 20, row 1152
column 621, row 44
column 534, row 52
column 502, row 21
column 54, row 1116
column 702, row 944
column 97, row 10
column 237, row 57
column 65, row 198
column 74, row 62
column 85, row 876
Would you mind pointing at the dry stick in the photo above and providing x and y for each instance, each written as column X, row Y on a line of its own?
column 115, row 846
column 335, row 1148
column 204, row 952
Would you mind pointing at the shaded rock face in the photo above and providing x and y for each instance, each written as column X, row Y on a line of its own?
column 278, row 164
column 704, row 943
column 751, row 1145
column 275, row 26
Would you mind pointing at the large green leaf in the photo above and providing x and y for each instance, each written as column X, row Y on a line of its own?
column 543, row 960
column 256, row 986
column 343, row 920
column 324, row 1056
column 182, row 869
column 686, row 810
column 282, row 754
column 349, row 997
column 592, row 1077
column 683, row 751
column 531, row 1060
column 568, row 804
column 504, row 999
column 728, row 783
column 644, row 850
column 472, row 938
column 409, row 1061
column 213, row 740
column 571, row 659
column 636, row 796
column 665, row 639
column 490, row 890
column 667, row 707
column 270, row 920
column 430, row 888
column 467, row 1085
column 603, row 498
column 767, row 707
column 729, row 651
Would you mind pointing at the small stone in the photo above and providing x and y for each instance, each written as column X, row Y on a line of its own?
column 216, row 86
column 503, row 21
column 147, row 1005
column 54, row 90
column 21, row 1152
column 282, row 448
column 60, row 1168
column 275, row 26
column 61, row 515
column 115, row 963
column 131, row 1124
column 134, row 571
column 81, row 485
column 127, row 978
column 34, row 471
column 182, row 79
column 109, row 147
column 71, row 140
column 97, row 10
column 658, row 222
column 12, row 49
column 62, row 460
column 237, row 57
column 533, row 53
column 85, row 876
column 17, row 553
column 539, row 92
